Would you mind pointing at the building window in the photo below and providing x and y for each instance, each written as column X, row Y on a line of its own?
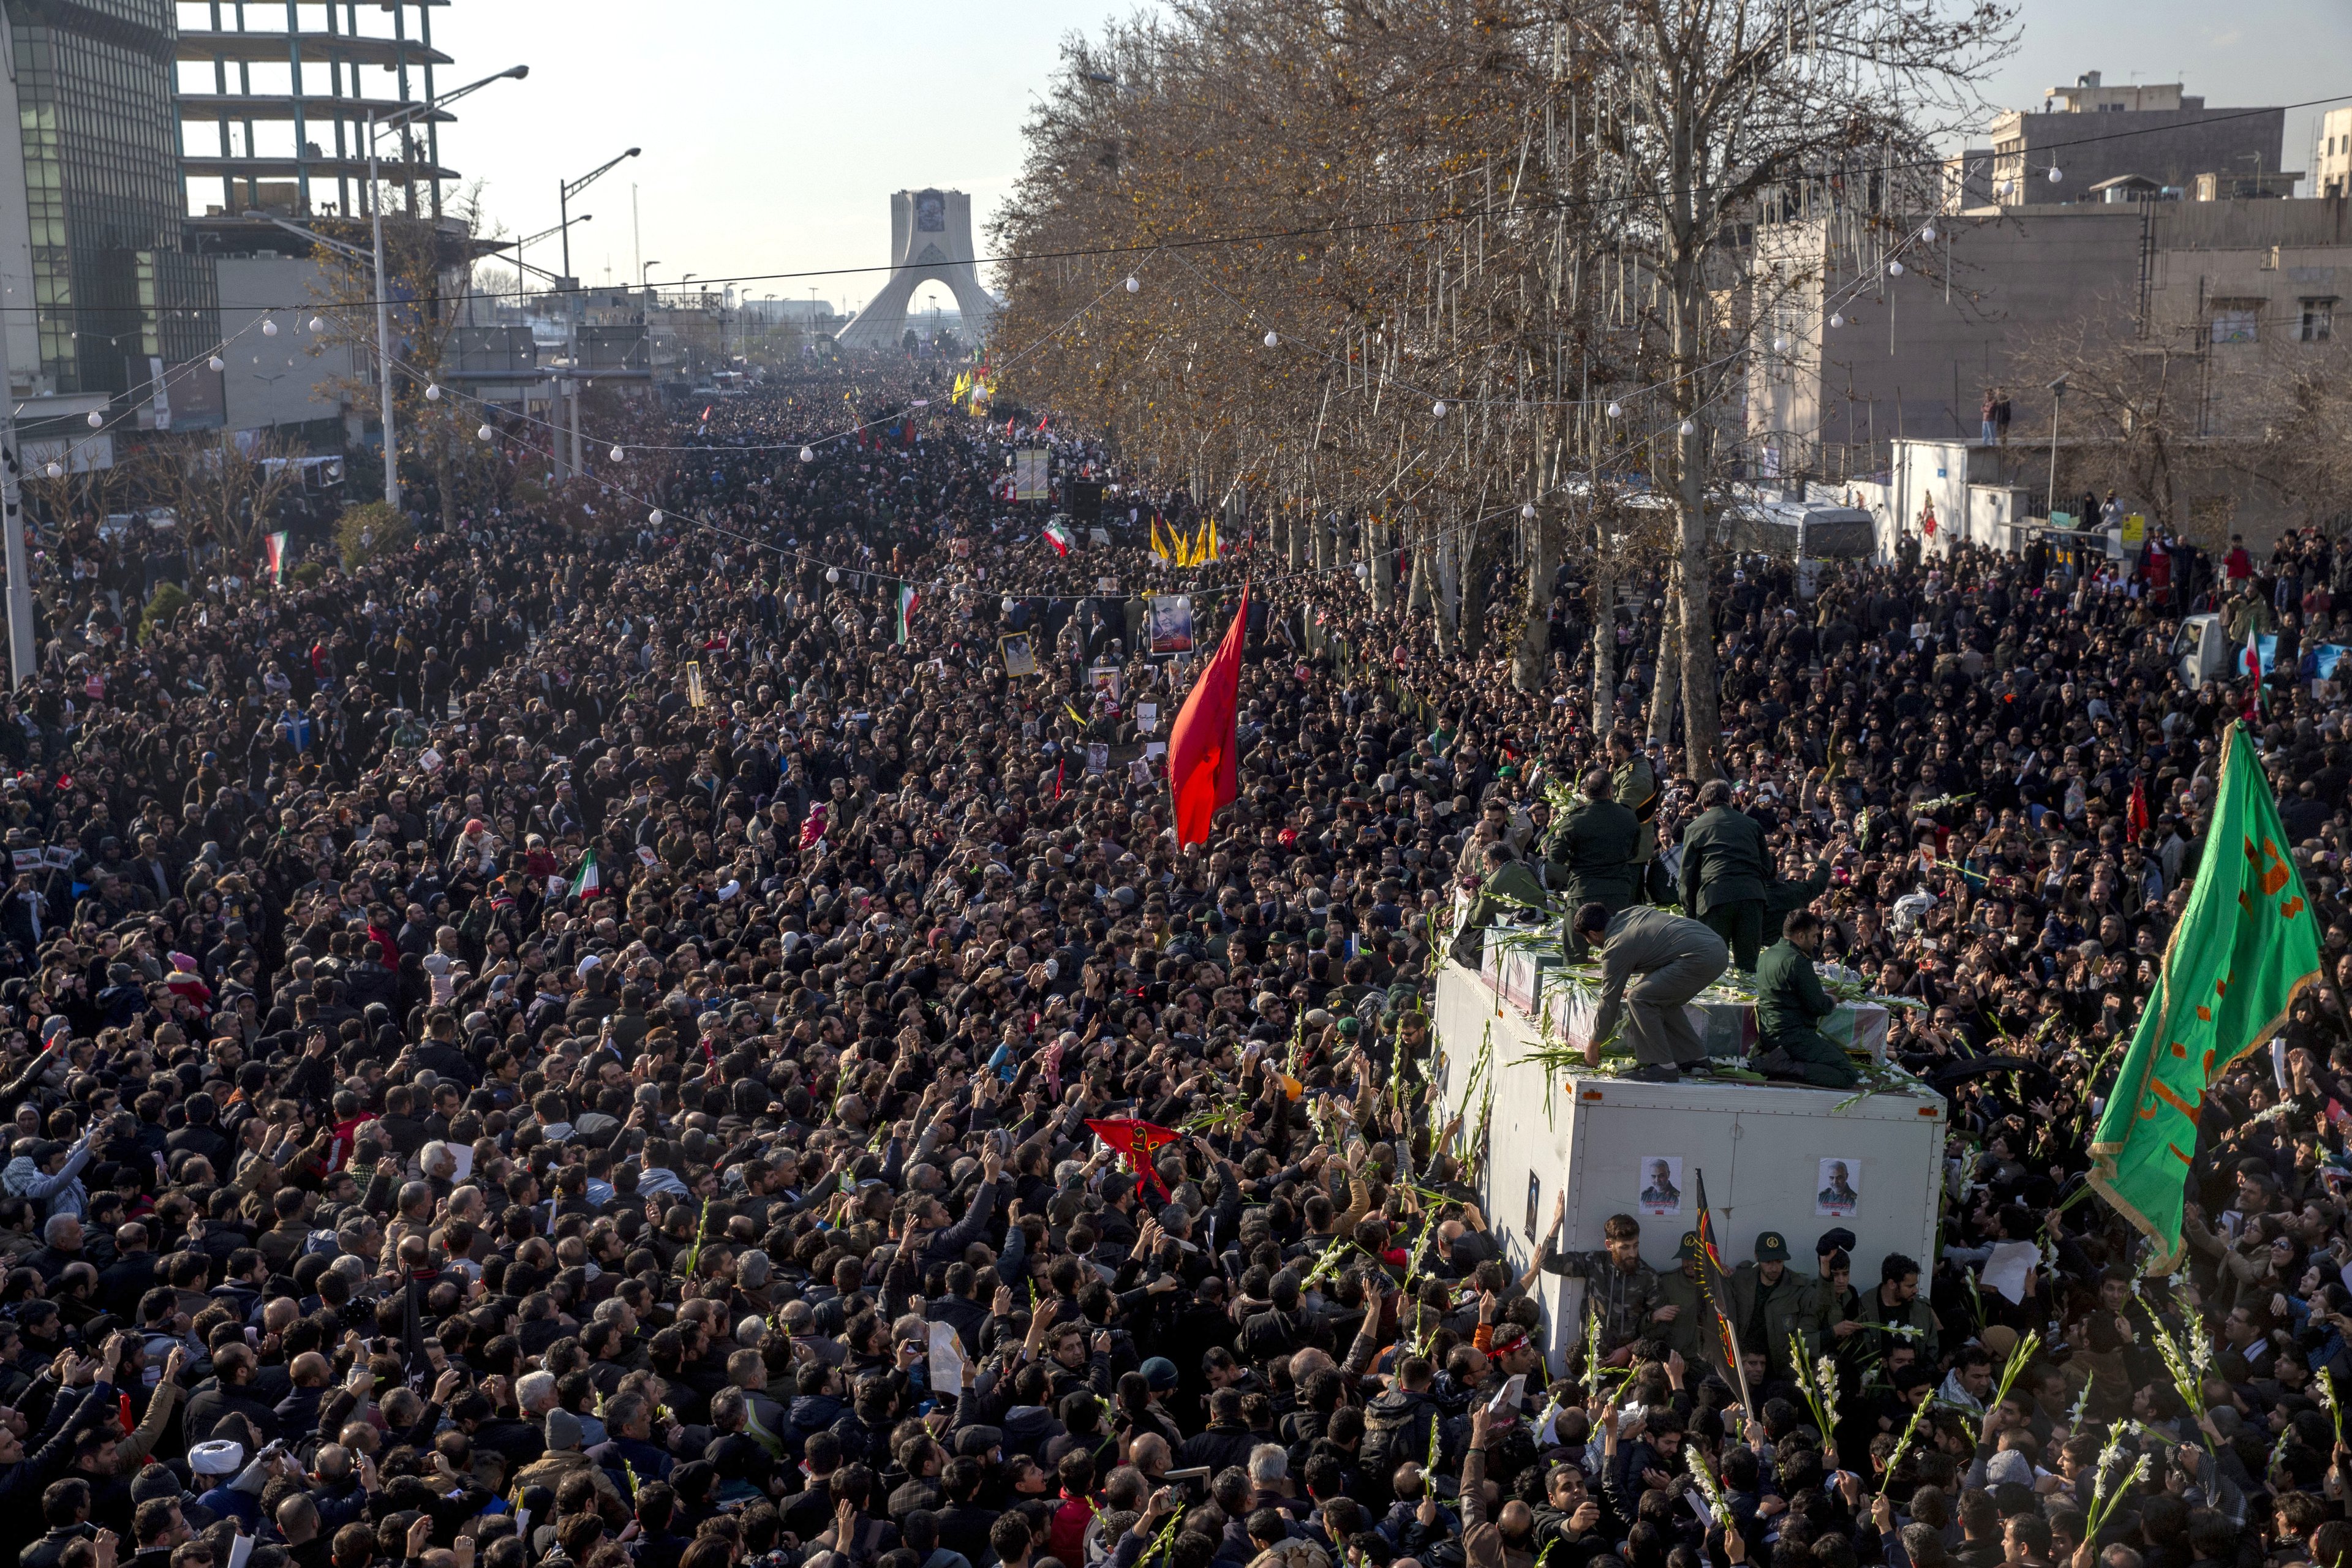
column 2318, row 322
column 2237, row 321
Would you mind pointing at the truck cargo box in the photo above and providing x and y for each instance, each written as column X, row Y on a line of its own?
column 1769, row 1153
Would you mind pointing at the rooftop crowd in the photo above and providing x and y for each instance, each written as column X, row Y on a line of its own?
column 573, row 1045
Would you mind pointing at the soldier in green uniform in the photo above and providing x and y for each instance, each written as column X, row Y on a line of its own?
column 1767, row 1304
column 1510, row 888
column 1633, row 783
column 1690, row 1332
column 1593, row 849
column 1725, row 865
column 1789, row 1006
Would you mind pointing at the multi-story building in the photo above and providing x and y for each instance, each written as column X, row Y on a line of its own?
column 2331, row 164
column 2092, row 134
column 90, row 207
column 275, row 100
column 2223, row 294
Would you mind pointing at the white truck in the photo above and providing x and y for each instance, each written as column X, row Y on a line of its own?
column 1778, row 1157
column 2203, row 651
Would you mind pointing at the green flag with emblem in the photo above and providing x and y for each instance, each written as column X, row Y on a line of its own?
column 2247, row 943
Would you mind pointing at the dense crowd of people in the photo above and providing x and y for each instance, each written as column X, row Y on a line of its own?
column 575, row 1044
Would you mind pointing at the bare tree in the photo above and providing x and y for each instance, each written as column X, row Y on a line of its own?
column 1706, row 108
column 223, row 490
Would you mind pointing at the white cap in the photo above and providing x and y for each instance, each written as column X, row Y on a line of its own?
column 218, row 1457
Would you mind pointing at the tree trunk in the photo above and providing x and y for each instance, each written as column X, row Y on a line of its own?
column 1478, row 563
column 1604, row 638
column 1449, row 594
column 1294, row 543
column 1423, row 593
column 1669, row 680
column 445, row 479
column 1535, row 637
column 1382, row 556
column 1702, row 726
column 1321, row 524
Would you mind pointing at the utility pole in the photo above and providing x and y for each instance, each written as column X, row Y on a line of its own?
column 382, row 330
column 12, row 519
column 2050, row 502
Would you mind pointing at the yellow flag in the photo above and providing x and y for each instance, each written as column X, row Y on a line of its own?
column 1213, row 540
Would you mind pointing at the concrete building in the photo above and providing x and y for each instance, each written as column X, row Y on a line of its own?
column 296, row 383
column 2226, row 293
column 2331, row 162
column 2092, row 133
column 275, row 98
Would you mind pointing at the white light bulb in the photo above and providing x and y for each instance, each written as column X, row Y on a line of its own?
column 2005, row 187
column 486, row 432
column 808, row 454
column 97, row 420
column 654, row 517
column 1527, row 511
column 1363, row 571
column 618, row 454
column 1005, row 604
column 2056, row 176
column 1687, row 428
column 1929, row 234
column 1836, row 320
column 1780, row 345
column 1895, row 269
column 216, row 363
column 56, row 471
column 1271, row 340
column 317, row 323
column 833, row 573
column 1616, row 411
column 1134, row 285
column 268, row 328
column 432, row 393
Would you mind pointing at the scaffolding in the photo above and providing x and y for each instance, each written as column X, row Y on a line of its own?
column 282, row 87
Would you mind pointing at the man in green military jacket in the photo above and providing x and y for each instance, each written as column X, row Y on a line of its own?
column 1510, row 888
column 1690, row 1331
column 1790, row 1007
column 1592, row 849
column 1633, row 784
column 1765, row 1303
column 1725, row 865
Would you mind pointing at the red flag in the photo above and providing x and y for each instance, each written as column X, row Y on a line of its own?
column 2138, row 813
column 1203, row 769
column 1136, row 1140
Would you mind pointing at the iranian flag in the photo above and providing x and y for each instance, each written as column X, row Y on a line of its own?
column 907, row 600
column 273, row 554
column 1058, row 537
column 588, row 882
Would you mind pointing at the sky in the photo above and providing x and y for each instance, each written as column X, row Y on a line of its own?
column 774, row 131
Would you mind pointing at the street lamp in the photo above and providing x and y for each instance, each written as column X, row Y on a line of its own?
column 382, row 287
column 2050, row 502
column 564, row 190
column 644, row 276
column 567, row 189
column 530, row 240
